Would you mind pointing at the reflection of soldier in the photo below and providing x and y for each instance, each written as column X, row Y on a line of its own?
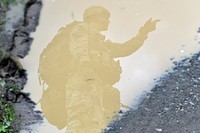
column 91, row 99
column 86, row 71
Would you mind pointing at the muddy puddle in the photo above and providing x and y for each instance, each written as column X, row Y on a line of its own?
column 175, row 37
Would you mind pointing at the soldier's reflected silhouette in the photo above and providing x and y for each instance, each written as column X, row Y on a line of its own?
column 79, row 68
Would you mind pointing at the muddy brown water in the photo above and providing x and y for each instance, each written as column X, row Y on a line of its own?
column 175, row 37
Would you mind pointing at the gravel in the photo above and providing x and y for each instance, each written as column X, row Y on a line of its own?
column 173, row 105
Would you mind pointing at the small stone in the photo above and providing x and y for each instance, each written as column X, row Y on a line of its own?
column 166, row 109
column 159, row 129
column 120, row 112
column 191, row 93
column 191, row 103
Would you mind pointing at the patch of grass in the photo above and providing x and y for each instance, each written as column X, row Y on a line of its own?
column 6, row 117
column 6, row 112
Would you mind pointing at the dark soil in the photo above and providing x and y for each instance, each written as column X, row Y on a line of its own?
column 173, row 106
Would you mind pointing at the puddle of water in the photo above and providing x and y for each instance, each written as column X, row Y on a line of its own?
column 79, row 68
column 174, row 37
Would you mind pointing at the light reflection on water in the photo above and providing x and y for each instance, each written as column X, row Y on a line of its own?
column 174, row 37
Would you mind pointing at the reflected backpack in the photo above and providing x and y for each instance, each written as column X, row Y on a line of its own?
column 53, row 98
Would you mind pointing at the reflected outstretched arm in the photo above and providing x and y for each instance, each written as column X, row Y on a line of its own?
column 129, row 47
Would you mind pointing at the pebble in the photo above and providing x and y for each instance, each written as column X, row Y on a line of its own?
column 159, row 129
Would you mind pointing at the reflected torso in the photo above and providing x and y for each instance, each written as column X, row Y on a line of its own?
column 87, row 105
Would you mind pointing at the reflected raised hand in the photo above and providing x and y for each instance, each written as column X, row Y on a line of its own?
column 149, row 26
